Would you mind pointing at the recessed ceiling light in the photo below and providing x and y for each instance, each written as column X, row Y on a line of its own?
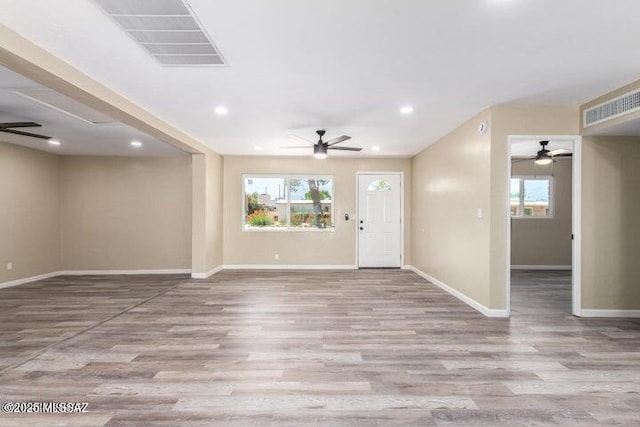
column 257, row 148
column 136, row 144
column 221, row 111
column 54, row 142
column 375, row 148
column 407, row 109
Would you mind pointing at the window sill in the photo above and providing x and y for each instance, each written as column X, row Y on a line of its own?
column 531, row 217
column 285, row 229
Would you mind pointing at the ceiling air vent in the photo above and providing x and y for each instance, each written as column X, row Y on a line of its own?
column 617, row 107
column 167, row 29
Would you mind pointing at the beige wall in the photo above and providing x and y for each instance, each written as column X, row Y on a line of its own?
column 465, row 171
column 544, row 241
column 610, row 227
column 126, row 213
column 30, row 212
column 515, row 120
column 207, row 212
column 302, row 248
column 30, row 60
column 451, row 180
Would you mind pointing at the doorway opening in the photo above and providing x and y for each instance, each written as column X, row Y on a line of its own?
column 543, row 231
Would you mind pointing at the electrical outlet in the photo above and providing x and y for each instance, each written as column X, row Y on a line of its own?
column 9, row 266
column 276, row 257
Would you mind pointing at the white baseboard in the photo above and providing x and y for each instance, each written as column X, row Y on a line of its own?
column 207, row 274
column 541, row 267
column 489, row 312
column 289, row 267
column 122, row 272
column 89, row 273
column 610, row 313
column 29, row 279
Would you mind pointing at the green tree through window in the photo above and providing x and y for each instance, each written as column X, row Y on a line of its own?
column 288, row 202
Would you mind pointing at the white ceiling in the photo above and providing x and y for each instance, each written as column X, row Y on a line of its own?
column 76, row 136
column 348, row 66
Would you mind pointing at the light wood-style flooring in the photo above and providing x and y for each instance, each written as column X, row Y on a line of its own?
column 296, row 348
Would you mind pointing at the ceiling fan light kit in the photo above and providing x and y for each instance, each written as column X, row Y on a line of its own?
column 545, row 157
column 543, row 160
column 319, row 151
column 321, row 148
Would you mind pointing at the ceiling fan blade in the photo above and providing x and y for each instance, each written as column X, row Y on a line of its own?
column 337, row 140
column 20, row 125
column 32, row 135
column 297, row 146
column 345, row 148
column 559, row 151
column 563, row 155
column 300, row 139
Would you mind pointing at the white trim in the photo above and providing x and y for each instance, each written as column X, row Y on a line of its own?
column 88, row 273
column 507, row 290
column 610, row 313
column 17, row 282
column 541, row 267
column 489, row 312
column 402, row 217
column 288, row 267
column 122, row 272
column 207, row 274
column 576, row 191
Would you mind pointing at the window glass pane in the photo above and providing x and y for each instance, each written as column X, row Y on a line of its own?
column 515, row 196
column 379, row 185
column 263, row 198
column 536, row 197
column 311, row 204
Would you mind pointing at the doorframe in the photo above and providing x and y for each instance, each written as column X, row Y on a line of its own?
column 402, row 218
column 576, row 219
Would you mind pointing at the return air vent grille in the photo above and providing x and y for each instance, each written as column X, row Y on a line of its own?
column 617, row 107
column 166, row 29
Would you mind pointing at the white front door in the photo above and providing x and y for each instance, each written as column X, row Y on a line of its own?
column 379, row 225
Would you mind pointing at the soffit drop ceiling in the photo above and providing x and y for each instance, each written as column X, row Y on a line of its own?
column 349, row 66
column 80, row 130
column 63, row 104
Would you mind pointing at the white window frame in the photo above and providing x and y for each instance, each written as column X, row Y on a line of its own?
column 288, row 227
column 524, row 178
